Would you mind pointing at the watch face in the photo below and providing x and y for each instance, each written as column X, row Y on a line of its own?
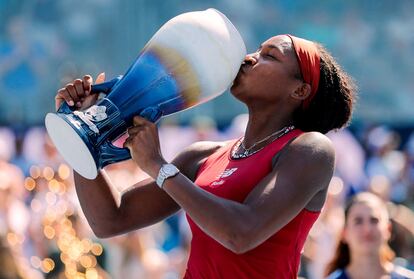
column 169, row 169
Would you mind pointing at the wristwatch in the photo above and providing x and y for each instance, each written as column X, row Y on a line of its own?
column 166, row 171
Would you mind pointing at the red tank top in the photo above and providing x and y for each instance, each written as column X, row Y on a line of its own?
column 277, row 257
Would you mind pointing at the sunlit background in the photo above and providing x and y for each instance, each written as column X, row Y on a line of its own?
column 44, row 44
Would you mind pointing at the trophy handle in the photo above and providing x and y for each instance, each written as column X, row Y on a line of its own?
column 109, row 154
column 104, row 87
column 152, row 114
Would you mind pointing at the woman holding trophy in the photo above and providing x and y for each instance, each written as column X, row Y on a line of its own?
column 250, row 202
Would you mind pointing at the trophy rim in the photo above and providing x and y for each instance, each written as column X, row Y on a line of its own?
column 71, row 146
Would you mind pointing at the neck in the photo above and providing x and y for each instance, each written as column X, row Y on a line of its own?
column 263, row 123
column 371, row 266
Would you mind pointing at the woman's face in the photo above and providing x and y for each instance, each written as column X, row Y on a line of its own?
column 367, row 228
column 270, row 74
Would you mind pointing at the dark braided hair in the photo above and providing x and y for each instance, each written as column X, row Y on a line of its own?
column 331, row 107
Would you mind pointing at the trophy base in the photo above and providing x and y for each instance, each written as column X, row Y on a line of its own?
column 71, row 146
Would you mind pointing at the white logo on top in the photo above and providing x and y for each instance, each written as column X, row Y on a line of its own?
column 226, row 173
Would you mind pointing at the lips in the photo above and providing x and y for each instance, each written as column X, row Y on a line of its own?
column 369, row 238
column 243, row 68
column 242, row 71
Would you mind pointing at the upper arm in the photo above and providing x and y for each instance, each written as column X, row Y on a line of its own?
column 303, row 170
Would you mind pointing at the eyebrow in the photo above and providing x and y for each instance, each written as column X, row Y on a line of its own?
column 272, row 46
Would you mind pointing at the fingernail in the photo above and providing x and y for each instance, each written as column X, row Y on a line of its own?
column 78, row 104
column 71, row 103
column 86, row 92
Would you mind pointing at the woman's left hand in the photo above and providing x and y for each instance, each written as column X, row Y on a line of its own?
column 144, row 146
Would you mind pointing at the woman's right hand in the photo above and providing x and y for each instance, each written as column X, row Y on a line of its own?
column 78, row 93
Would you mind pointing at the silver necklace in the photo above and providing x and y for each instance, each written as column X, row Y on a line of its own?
column 248, row 151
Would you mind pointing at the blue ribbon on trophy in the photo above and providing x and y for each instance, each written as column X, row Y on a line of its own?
column 193, row 58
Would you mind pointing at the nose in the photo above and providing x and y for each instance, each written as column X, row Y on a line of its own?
column 368, row 228
column 251, row 58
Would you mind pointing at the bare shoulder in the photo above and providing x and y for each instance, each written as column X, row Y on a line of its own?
column 309, row 157
column 191, row 158
column 314, row 141
column 312, row 145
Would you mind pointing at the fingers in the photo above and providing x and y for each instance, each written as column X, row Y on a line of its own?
column 132, row 136
column 80, row 91
column 143, row 142
column 62, row 96
column 135, row 130
column 87, row 83
column 128, row 143
column 100, row 78
column 75, row 93
column 140, row 124
column 139, row 121
column 72, row 92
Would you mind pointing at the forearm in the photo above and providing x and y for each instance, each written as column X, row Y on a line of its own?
column 98, row 203
column 142, row 205
column 224, row 220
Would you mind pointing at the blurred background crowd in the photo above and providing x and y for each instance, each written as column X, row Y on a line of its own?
column 45, row 44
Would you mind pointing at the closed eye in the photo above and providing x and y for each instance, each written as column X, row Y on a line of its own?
column 265, row 52
column 271, row 56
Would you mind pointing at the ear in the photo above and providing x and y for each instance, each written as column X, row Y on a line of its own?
column 302, row 92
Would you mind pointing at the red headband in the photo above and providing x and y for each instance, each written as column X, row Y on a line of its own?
column 309, row 62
